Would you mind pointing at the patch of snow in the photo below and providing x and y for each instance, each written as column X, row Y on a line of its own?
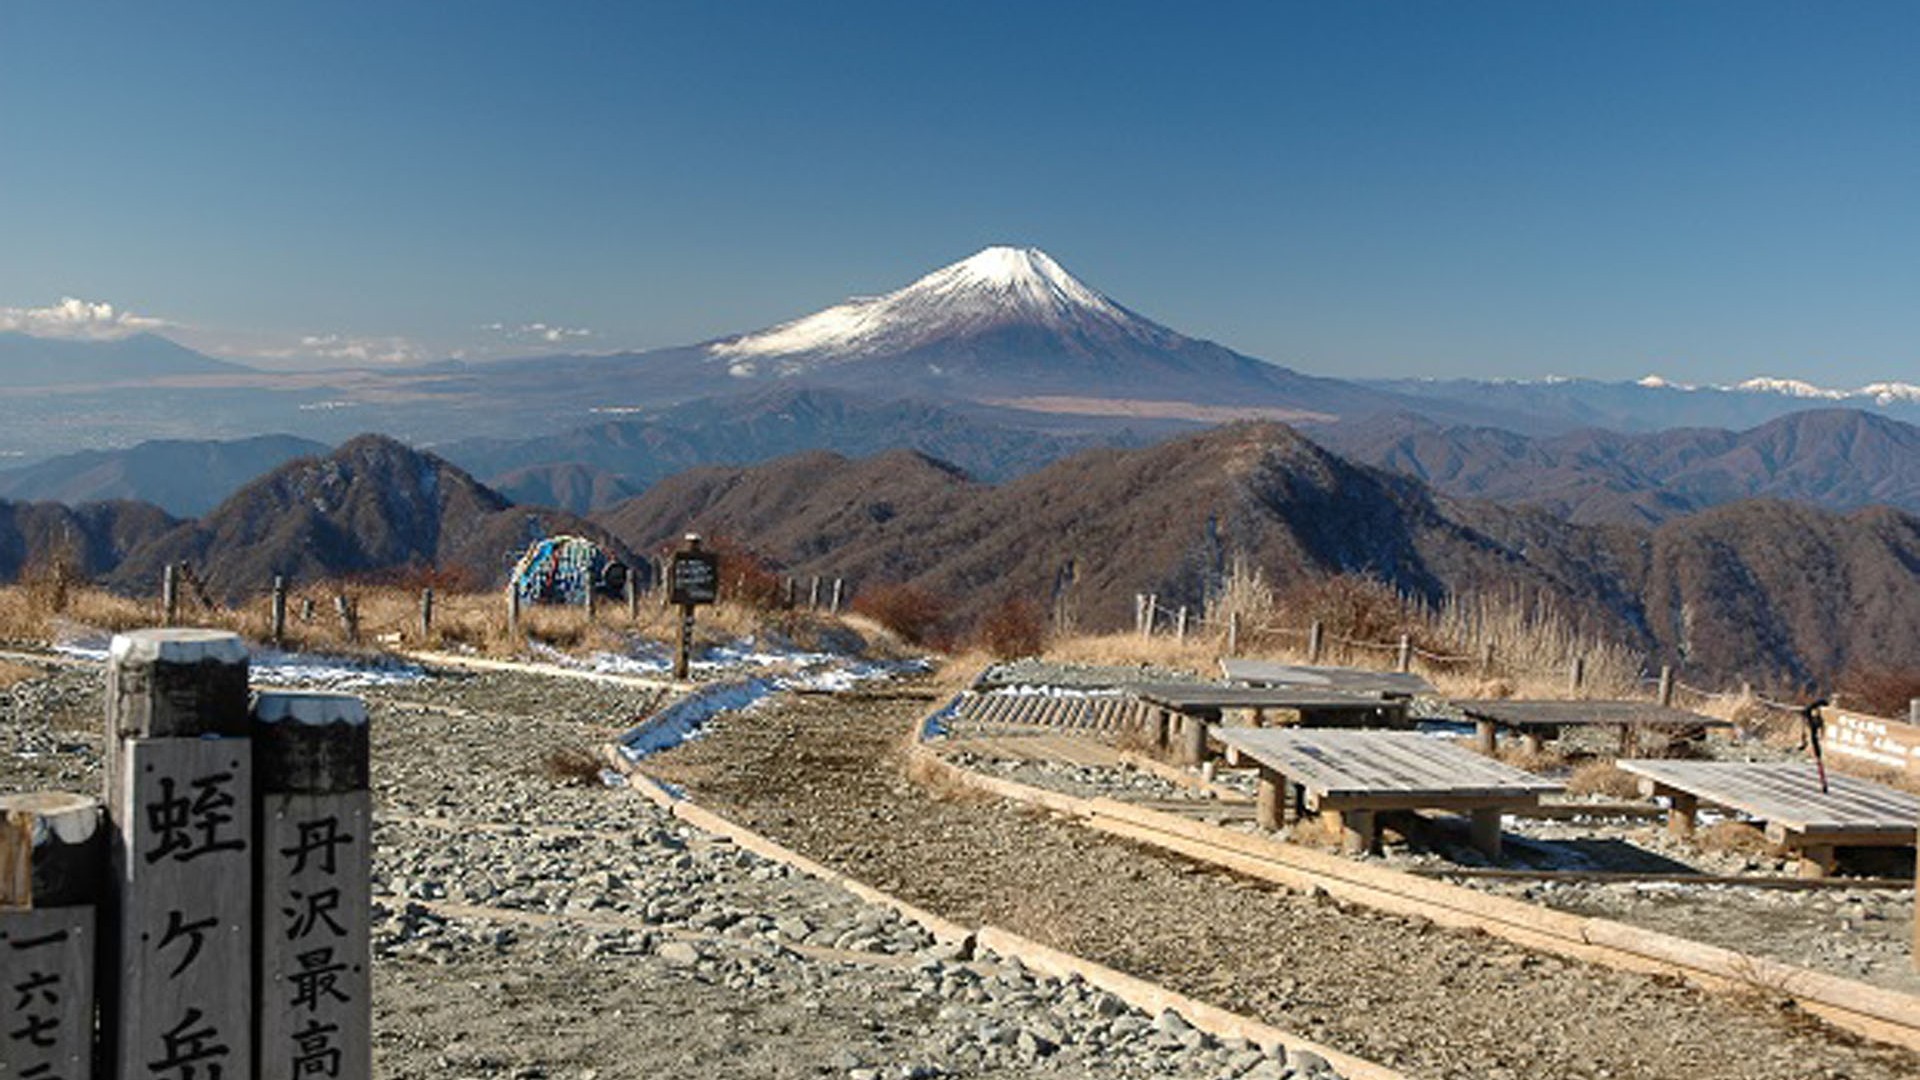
column 1766, row 384
column 269, row 667
column 683, row 719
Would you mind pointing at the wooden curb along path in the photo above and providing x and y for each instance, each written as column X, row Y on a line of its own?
column 1138, row 993
column 1876, row 1013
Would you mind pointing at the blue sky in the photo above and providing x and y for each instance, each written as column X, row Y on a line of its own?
column 1709, row 191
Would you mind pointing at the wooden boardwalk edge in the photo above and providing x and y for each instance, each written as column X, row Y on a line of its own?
column 1146, row 996
column 1871, row 1011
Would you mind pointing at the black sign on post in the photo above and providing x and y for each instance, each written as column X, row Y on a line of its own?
column 693, row 578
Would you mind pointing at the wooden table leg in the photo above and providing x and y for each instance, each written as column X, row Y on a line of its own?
column 1484, row 732
column 1157, row 728
column 1484, row 830
column 1681, row 808
column 1193, row 740
column 1357, row 828
column 1817, row 861
column 1531, row 742
column 1293, row 798
column 1267, row 811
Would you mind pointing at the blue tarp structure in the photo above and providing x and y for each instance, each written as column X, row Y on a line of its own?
column 560, row 570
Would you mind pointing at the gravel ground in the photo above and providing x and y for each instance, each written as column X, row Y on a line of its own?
column 827, row 778
column 531, row 922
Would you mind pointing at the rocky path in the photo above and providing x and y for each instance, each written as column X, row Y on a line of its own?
column 827, row 777
column 532, row 923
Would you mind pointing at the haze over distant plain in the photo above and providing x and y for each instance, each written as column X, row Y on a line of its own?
column 1708, row 191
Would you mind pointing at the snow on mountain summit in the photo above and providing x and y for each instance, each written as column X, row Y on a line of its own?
column 997, row 288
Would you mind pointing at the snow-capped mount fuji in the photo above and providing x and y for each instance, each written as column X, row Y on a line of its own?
column 997, row 288
column 1011, row 326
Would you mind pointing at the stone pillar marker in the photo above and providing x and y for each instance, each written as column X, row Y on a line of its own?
column 180, row 770
column 52, row 852
column 315, row 855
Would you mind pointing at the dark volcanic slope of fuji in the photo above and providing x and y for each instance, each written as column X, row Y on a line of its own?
column 1761, row 589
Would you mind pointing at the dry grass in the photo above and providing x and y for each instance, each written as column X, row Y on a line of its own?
column 1602, row 778
column 1198, row 655
column 1733, row 838
column 1533, row 761
column 571, row 766
column 938, row 781
column 15, row 673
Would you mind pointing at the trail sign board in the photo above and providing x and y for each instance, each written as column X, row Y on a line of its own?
column 693, row 577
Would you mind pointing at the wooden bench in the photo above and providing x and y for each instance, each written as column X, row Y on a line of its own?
column 1348, row 777
column 1346, row 680
column 1534, row 720
column 1177, row 715
column 1785, row 797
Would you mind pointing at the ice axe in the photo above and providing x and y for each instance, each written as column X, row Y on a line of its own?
column 1811, row 713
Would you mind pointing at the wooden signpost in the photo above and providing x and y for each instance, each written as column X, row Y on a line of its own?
column 693, row 578
column 314, row 817
column 50, row 856
column 181, row 797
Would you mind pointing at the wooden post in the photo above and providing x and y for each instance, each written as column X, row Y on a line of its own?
column 813, row 594
column 587, row 599
column 1484, row 830
column 833, row 607
column 683, row 649
column 1180, row 625
column 1266, row 813
column 426, row 615
column 1486, row 661
column 787, row 601
column 513, row 614
column 181, row 776
column 170, row 595
column 1233, row 634
column 314, row 821
column 633, row 600
column 1913, row 712
column 1316, row 641
column 306, row 609
column 1191, row 749
column 1681, row 810
column 1576, row 676
column 1151, row 613
column 1485, row 733
column 349, row 617
column 1405, row 659
column 1666, row 686
column 53, row 861
column 279, row 611
column 1139, row 608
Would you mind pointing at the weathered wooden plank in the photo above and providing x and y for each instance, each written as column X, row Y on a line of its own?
column 1551, row 714
column 1378, row 763
column 1788, row 794
column 1344, row 679
column 183, row 851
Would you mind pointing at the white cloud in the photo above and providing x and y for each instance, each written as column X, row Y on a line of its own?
column 539, row 331
column 88, row 320
column 348, row 349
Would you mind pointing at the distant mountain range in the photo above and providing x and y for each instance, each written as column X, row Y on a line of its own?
column 34, row 361
column 1766, row 589
column 1840, row 459
column 1552, row 406
column 1774, row 591
column 186, row 478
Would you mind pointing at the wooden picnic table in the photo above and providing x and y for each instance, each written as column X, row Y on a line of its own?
column 1534, row 720
column 1178, row 715
column 1348, row 777
column 1785, row 796
column 1386, row 684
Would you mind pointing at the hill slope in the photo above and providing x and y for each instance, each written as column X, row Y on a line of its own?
column 1839, row 459
column 373, row 505
column 1169, row 519
column 94, row 538
column 184, row 477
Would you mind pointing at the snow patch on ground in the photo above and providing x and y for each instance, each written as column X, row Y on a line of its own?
column 787, row 667
column 271, row 667
column 683, row 719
